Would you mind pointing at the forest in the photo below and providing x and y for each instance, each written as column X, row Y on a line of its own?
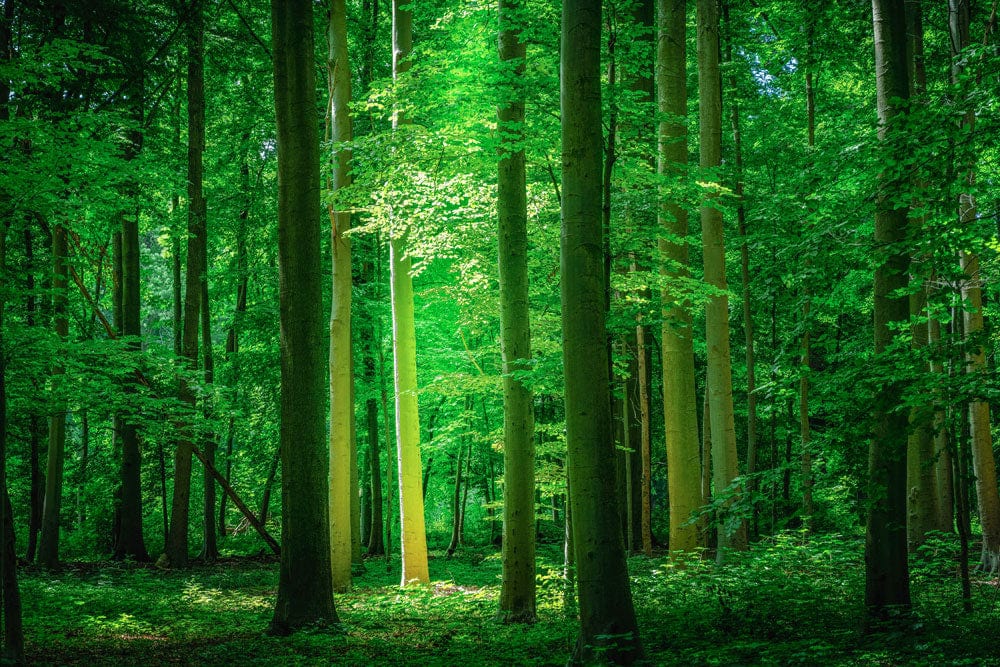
column 503, row 332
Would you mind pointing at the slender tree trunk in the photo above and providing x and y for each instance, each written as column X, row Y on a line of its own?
column 413, row 544
column 942, row 448
column 376, row 544
column 979, row 411
column 37, row 484
column 13, row 633
column 177, row 543
column 48, row 545
column 741, row 222
column 679, row 402
column 305, row 585
column 456, row 502
column 210, row 547
column 341, row 378
column 607, row 618
column 645, row 362
column 887, row 584
column 720, row 380
column 517, row 591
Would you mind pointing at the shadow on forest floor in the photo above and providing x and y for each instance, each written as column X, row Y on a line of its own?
column 792, row 600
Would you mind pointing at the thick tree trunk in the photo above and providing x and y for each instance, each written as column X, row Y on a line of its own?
column 305, row 586
column 887, row 585
column 341, row 378
column 720, row 380
column 517, row 591
column 679, row 402
column 413, row 543
column 607, row 618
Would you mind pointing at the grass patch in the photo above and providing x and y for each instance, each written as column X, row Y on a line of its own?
column 791, row 600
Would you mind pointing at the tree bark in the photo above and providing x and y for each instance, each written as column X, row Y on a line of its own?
column 413, row 543
column 341, row 377
column 607, row 618
column 720, row 380
column 177, row 543
column 680, row 410
column 517, row 590
column 887, row 584
column 305, row 585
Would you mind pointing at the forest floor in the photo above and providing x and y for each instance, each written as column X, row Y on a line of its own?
column 792, row 600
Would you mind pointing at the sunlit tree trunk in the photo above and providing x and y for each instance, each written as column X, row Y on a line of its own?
column 413, row 542
column 305, row 585
column 679, row 402
column 517, row 591
column 607, row 619
column 720, row 381
column 887, row 582
column 341, row 380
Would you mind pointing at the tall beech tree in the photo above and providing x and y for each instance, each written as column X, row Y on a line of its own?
column 887, row 580
column 177, row 541
column 679, row 401
column 305, row 585
column 608, row 629
column 341, row 376
column 719, row 383
column 517, row 594
column 413, row 540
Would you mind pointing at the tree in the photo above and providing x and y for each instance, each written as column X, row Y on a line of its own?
column 887, row 581
column 48, row 543
column 983, row 462
column 341, row 376
column 517, row 594
column 719, row 384
column 177, row 542
column 413, row 540
column 607, row 620
column 305, row 585
column 679, row 402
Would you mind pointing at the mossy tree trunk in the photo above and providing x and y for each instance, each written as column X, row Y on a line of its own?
column 517, row 591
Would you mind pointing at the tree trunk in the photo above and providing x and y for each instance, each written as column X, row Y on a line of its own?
column 129, row 541
column 48, row 545
column 376, row 544
column 887, row 583
column 456, row 502
column 679, row 402
column 607, row 618
column 305, row 586
column 720, row 380
column 979, row 411
column 210, row 547
column 177, row 544
column 741, row 228
column 13, row 633
column 341, row 378
column 413, row 544
column 37, row 484
column 517, row 590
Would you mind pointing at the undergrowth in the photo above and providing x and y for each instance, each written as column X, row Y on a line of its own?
column 791, row 600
